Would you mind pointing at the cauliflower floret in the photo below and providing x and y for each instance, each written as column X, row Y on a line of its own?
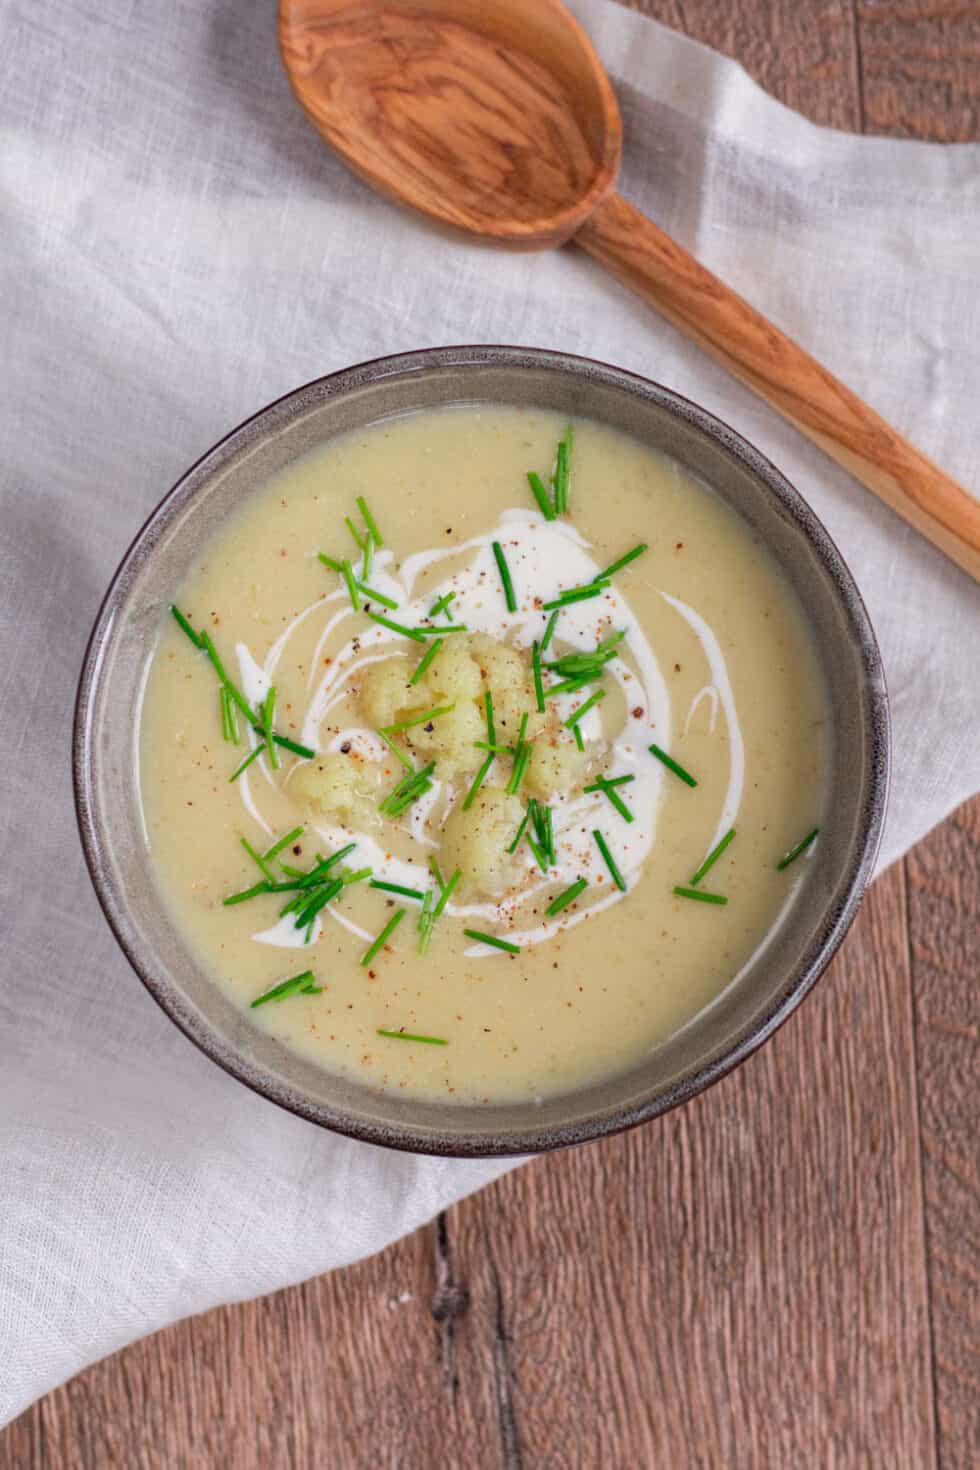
column 341, row 789
column 384, row 690
column 476, row 841
column 451, row 675
column 449, row 739
column 555, row 766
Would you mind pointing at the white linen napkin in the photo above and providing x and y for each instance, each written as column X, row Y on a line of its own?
column 178, row 248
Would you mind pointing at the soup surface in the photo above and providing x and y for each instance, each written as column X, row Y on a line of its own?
column 534, row 938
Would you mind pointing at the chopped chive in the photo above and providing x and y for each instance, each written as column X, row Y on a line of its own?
column 570, row 686
column 549, row 834
column 268, row 712
column 796, row 851
column 447, row 890
column 408, row 790
column 367, row 561
column 561, row 476
column 520, row 831
column 488, row 706
column 208, row 646
column 426, row 660
column 347, row 572
column 536, row 667
column 304, row 982
column 541, row 495
column 700, row 895
column 576, row 594
column 355, row 533
column 229, row 716
column 583, row 709
column 431, row 714
column 509, row 750
column 540, row 856
column 258, row 859
column 358, row 876
column 246, row 893
column 713, row 857
column 425, row 631
column 493, row 941
column 371, row 594
column 318, row 899
column 436, row 873
column 549, row 630
column 569, row 896
column 369, row 521
column 409, row 1036
column 413, row 633
column 252, row 755
column 425, row 922
column 396, row 751
column 520, row 770
column 504, row 570
column 328, row 561
column 285, row 743
column 608, row 789
column 196, row 638
column 286, row 841
column 579, row 741
column 672, row 765
column 624, row 561
column 441, row 604
column 478, row 781
column 323, row 865
column 383, row 937
column 609, row 860
column 590, row 664
column 415, row 893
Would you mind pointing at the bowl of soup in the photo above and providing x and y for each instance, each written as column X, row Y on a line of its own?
column 481, row 750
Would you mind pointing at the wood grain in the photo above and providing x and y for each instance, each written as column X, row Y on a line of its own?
column 748, row 1272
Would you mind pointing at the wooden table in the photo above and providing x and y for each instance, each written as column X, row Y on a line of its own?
column 779, row 1275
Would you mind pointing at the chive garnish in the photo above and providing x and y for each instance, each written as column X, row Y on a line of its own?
column 609, row 860
column 355, row 533
column 425, row 922
column 493, row 941
column 520, row 831
column 796, row 851
column 383, row 937
column 252, row 755
column 569, row 686
column 576, row 594
column 426, row 660
column 447, row 889
column 268, row 712
column 541, row 495
column 700, row 895
column 347, row 572
column 195, row 638
column 229, row 716
column 303, row 983
column 414, row 633
column 540, row 856
column 478, row 781
column 409, row 1036
column 608, row 789
column 415, row 893
column 569, row 896
column 430, row 714
column 536, row 668
column 427, row 632
column 408, row 790
column 522, row 756
column 371, row 594
column 396, row 751
column 544, row 845
column 246, row 893
column 584, row 708
column 505, row 578
column 258, row 860
column 315, row 902
column 286, row 841
column 488, row 706
column 509, row 750
column 369, row 521
column 435, row 871
column 285, row 743
column 624, row 561
column 358, row 876
column 561, row 476
column 328, row 561
column 712, row 857
column 441, row 604
column 577, row 732
column 368, row 560
column 208, row 647
column 672, row 765
column 590, row 664
column 549, row 630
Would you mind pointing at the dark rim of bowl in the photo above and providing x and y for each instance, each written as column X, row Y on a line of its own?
column 836, row 921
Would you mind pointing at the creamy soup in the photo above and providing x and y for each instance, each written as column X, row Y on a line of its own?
column 540, row 751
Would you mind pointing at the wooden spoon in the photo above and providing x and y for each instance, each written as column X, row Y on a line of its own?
column 496, row 116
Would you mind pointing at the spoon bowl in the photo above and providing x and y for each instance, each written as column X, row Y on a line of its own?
column 494, row 116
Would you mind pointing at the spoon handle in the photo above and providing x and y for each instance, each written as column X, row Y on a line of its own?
column 789, row 379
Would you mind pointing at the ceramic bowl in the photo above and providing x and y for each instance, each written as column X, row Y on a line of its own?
column 122, row 644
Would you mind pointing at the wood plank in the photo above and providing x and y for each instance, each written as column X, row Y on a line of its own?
column 944, row 922
column 740, row 1284
column 920, row 68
